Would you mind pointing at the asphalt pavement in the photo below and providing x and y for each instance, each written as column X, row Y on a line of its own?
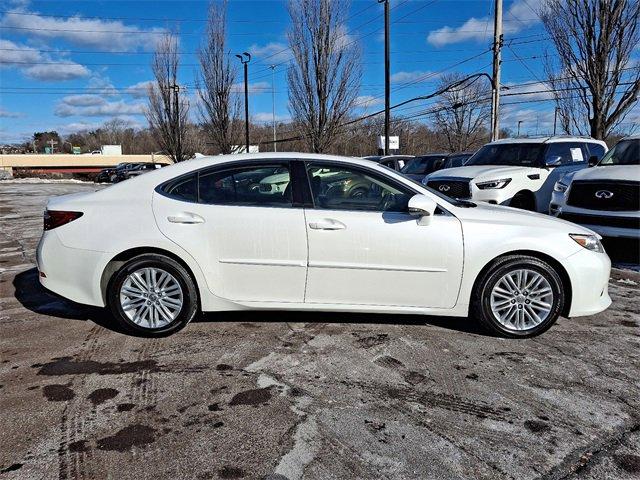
column 305, row 395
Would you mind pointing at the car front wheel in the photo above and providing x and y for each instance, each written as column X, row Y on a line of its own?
column 152, row 295
column 518, row 297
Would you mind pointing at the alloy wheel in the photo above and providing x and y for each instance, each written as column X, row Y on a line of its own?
column 151, row 297
column 521, row 299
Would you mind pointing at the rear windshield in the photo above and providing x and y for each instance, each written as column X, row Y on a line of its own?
column 626, row 152
column 516, row 154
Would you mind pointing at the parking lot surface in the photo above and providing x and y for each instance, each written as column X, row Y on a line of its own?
column 304, row 395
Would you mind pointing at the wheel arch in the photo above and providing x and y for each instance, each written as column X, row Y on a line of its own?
column 529, row 195
column 562, row 272
column 123, row 257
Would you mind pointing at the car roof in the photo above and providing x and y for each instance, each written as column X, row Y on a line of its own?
column 426, row 155
column 552, row 139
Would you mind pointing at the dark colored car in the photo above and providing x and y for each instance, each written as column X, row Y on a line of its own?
column 130, row 170
column 456, row 160
column 104, row 176
column 423, row 165
column 395, row 162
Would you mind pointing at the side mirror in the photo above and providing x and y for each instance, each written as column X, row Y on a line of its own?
column 553, row 161
column 593, row 161
column 423, row 207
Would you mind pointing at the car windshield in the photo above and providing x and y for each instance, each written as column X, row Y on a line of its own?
column 516, row 154
column 422, row 165
column 626, row 152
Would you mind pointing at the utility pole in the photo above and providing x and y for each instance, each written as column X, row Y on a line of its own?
column 387, row 76
column 245, row 58
column 495, row 91
column 273, row 104
column 175, row 88
column 555, row 119
column 519, row 122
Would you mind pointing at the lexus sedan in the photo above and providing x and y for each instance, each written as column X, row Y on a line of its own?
column 196, row 236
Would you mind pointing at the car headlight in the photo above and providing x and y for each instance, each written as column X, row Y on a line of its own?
column 493, row 184
column 590, row 242
column 560, row 187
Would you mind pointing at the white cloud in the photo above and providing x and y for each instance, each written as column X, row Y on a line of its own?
column 57, row 71
column 520, row 15
column 81, row 125
column 531, row 91
column 37, row 66
column 140, row 89
column 275, row 51
column 367, row 101
column 7, row 114
column 257, row 87
column 106, row 109
column 87, row 100
column 106, row 35
column 267, row 117
column 402, row 77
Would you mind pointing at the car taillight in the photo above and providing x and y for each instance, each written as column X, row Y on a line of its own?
column 57, row 218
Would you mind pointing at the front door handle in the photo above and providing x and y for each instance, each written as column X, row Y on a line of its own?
column 186, row 218
column 327, row 224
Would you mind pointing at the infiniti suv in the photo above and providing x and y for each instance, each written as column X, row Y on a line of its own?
column 605, row 198
column 517, row 172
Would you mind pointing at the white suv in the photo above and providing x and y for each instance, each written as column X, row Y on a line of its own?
column 605, row 198
column 517, row 172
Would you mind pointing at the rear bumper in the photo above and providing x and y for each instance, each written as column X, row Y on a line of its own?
column 70, row 272
column 589, row 274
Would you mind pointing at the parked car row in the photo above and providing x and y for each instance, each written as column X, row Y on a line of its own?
column 548, row 175
column 124, row 171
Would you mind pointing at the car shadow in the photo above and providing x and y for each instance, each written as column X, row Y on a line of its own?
column 35, row 298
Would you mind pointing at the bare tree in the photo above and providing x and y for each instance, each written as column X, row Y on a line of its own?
column 168, row 110
column 462, row 113
column 594, row 40
column 219, row 105
column 324, row 77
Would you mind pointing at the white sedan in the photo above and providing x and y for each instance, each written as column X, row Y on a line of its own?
column 343, row 235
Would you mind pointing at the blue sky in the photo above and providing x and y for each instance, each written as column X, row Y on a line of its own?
column 72, row 65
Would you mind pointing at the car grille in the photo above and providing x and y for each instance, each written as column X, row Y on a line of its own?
column 601, row 195
column 451, row 188
column 621, row 222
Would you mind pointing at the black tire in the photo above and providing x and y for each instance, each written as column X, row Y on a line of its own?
column 190, row 306
column 523, row 201
column 481, row 297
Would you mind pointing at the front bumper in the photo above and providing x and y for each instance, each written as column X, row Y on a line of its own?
column 72, row 273
column 589, row 274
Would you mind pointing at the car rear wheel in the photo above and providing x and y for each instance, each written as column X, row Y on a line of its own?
column 523, row 201
column 152, row 295
column 518, row 297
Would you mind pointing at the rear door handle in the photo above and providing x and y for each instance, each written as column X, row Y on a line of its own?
column 327, row 224
column 186, row 218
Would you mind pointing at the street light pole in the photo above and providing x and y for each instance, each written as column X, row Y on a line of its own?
column 273, row 104
column 387, row 76
column 519, row 122
column 555, row 119
column 245, row 58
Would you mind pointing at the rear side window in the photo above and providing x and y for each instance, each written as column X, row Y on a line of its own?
column 183, row 188
column 264, row 185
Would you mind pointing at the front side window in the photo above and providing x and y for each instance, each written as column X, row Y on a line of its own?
column 626, row 152
column 513, row 154
column 568, row 152
column 263, row 185
column 338, row 187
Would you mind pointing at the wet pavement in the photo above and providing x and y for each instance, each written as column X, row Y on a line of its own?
column 305, row 395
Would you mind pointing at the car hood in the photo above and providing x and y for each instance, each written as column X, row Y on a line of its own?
column 500, row 215
column 610, row 172
column 481, row 172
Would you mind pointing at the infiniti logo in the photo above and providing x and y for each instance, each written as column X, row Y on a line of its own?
column 444, row 188
column 604, row 194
